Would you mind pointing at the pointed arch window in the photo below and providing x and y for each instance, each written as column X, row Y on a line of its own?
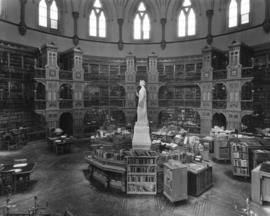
column 1, row 7
column 141, row 23
column 245, row 9
column 42, row 10
column 239, row 12
column 54, row 15
column 186, row 20
column 48, row 14
column 97, row 21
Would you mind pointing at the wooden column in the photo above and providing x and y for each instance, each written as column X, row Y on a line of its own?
column 22, row 26
column 120, row 44
column 75, row 16
column 163, row 22
column 266, row 23
column 209, row 37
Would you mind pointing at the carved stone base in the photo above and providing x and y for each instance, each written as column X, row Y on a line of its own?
column 141, row 137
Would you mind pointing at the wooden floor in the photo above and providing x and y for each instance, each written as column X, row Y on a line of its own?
column 61, row 181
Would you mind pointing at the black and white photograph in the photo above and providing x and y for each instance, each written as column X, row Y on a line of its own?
column 134, row 107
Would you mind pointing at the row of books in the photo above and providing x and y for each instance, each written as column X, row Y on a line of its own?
column 141, row 153
column 140, row 169
column 240, row 155
column 144, row 178
column 141, row 188
column 239, row 147
column 241, row 170
column 240, row 163
column 141, row 160
column 108, row 155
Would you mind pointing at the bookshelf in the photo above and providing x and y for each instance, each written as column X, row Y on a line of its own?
column 108, row 168
column 175, row 181
column 142, row 172
column 242, row 154
column 221, row 148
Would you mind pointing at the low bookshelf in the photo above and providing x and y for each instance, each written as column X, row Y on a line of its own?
column 142, row 172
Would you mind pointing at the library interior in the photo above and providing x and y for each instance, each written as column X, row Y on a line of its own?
column 135, row 107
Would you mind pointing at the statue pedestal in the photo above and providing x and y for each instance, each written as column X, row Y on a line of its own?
column 141, row 137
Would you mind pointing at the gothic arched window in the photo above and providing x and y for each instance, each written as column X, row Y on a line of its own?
column 239, row 11
column 186, row 20
column 48, row 18
column 141, row 23
column 42, row 11
column 54, row 15
column 97, row 20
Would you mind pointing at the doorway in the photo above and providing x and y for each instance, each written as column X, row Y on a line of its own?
column 66, row 123
column 219, row 120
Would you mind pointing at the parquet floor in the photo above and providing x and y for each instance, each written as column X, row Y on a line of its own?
column 61, row 182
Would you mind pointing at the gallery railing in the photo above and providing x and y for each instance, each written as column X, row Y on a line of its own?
column 117, row 102
column 219, row 104
column 185, row 77
column 40, row 73
column 66, row 104
column 246, row 105
column 248, row 72
column 179, row 102
column 40, row 104
column 97, row 102
column 220, row 74
column 65, row 75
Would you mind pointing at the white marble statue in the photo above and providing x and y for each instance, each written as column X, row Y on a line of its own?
column 141, row 137
column 142, row 105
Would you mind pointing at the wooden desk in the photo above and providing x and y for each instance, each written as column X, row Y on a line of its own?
column 199, row 178
column 18, row 171
column 61, row 146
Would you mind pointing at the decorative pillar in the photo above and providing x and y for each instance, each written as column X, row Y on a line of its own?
column 130, row 87
column 75, row 38
column 234, row 68
column 209, row 37
column 266, row 23
column 163, row 22
column 120, row 43
column 22, row 26
column 153, row 88
column 49, row 53
column 206, row 86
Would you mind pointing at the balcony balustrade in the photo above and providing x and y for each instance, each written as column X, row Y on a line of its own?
column 65, row 103
column 219, row 104
column 40, row 73
column 65, row 75
column 185, row 77
column 246, row 105
column 248, row 72
column 219, row 74
column 117, row 102
column 179, row 103
column 40, row 104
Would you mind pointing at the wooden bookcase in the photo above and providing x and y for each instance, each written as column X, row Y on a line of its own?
column 175, row 181
column 242, row 154
column 111, row 172
column 142, row 172
column 221, row 148
column 200, row 178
